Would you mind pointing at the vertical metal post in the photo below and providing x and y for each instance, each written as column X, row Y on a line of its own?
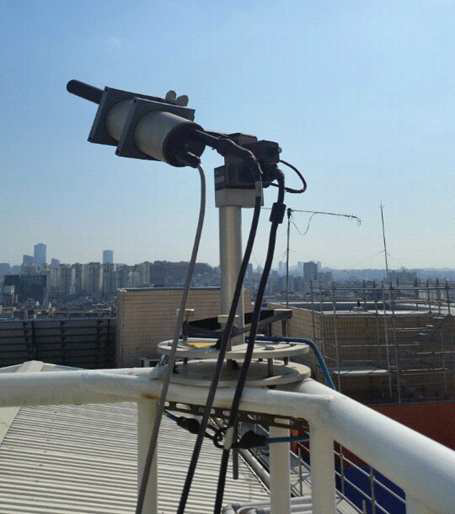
column 387, row 356
column 395, row 342
column 146, row 411
column 416, row 293
column 280, row 482
column 312, row 313
column 386, row 257
column 335, row 335
column 448, row 298
column 288, row 237
column 230, row 260
column 429, row 296
column 386, row 338
column 342, row 470
column 322, row 330
column 372, row 491
column 438, row 295
column 322, row 471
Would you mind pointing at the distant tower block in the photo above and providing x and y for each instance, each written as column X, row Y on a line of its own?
column 40, row 254
column 108, row 256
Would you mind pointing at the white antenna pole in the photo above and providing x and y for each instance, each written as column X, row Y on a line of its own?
column 289, row 212
column 385, row 243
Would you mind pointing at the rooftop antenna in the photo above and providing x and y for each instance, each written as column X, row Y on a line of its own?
column 385, row 243
column 313, row 213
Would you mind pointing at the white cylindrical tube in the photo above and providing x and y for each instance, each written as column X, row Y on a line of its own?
column 280, row 483
column 146, row 412
column 116, row 119
column 230, row 261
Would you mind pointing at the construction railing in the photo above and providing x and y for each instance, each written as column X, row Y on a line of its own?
column 384, row 343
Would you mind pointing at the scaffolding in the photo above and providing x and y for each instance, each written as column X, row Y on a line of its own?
column 383, row 342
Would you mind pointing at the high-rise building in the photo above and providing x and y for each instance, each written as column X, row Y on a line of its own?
column 4, row 269
column 93, row 278
column 108, row 256
column 39, row 251
column 28, row 261
column 77, row 279
column 310, row 271
column 144, row 270
column 109, row 280
column 123, row 272
column 53, row 281
column 55, row 263
column 65, row 279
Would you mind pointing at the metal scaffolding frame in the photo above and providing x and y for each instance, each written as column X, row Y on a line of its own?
column 402, row 333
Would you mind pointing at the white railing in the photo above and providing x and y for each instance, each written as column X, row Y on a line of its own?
column 424, row 469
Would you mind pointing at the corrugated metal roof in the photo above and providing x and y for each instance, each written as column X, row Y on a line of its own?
column 82, row 459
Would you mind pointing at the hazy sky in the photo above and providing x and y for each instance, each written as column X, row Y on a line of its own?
column 359, row 94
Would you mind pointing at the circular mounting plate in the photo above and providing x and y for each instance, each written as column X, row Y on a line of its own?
column 198, row 348
column 200, row 373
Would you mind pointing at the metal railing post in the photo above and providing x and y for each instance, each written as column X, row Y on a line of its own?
column 280, row 483
column 335, row 336
column 300, row 469
column 448, row 298
column 146, row 411
column 372, row 491
column 322, row 471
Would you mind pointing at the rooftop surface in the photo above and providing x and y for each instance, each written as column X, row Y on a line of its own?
column 83, row 458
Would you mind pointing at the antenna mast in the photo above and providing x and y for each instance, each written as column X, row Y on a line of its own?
column 289, row 212
column 313, row 213
column 385, row 243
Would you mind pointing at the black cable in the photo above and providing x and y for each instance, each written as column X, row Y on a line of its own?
column 172, row 356
column 276, row 217
column 225, row 337
column 299, row 174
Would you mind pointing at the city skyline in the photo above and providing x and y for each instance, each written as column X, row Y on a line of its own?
column 107, row 257
column 360, row 97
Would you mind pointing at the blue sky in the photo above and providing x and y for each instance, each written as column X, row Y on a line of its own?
column 358, row 94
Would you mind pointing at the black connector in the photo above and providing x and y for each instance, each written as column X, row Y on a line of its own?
column 250, row 440
column 190, row 424
column 243, row 154
column 277, row 213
